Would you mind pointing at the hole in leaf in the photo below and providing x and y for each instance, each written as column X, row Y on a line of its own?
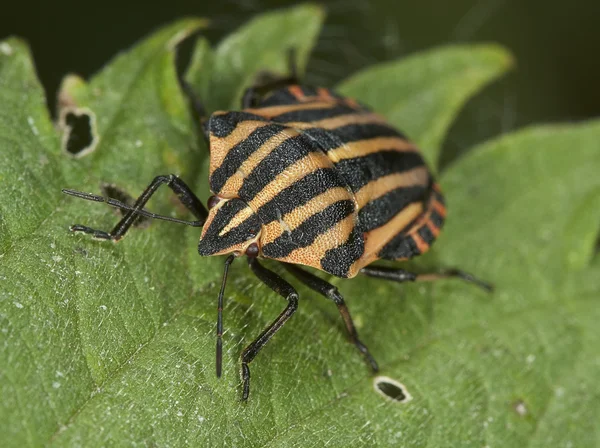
column 391, row 389
column 79, row 131
column 115, row 192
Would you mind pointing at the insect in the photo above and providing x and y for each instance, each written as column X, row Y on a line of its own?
column 304, row 176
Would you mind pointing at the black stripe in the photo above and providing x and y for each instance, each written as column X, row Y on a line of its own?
column 287, row 153
column 426, row 234
column 309, row 90
column 337, row 261
column 240, row 152
column 284, row 97
column 439, row 197
column 306, row 233
column 401, row 246
column 221, row 125
column 381, row 210
column 281, row 97
column 329, row 139
column 299, row 193
column 436, row 219
column 310, row 115
column 359, row 171
column 354, row 132
column 212, row 243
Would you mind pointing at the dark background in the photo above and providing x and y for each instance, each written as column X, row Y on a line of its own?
column 556, row 45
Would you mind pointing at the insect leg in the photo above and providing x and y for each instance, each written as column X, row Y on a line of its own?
column 183, row 192
column 284, row 289
column 219, row 351
column 253, row 94
column 401, row 275
column 332, row 293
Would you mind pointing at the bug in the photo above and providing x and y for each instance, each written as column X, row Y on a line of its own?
column 304, row 176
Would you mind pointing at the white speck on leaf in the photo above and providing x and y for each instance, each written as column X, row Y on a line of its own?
column 57, row 258
column 103, row 307
column 530, row 359
column 18, row 305
column 138, row 143
column 55, row 384
column 33, row 127
column 521, row 408
column 6, row 49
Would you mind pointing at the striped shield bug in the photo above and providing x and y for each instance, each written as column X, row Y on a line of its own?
column 304, row 176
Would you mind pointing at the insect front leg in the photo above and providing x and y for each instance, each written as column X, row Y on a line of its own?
column 284, row 289
column 183, row 192
column 331, row 292
column 402, row 275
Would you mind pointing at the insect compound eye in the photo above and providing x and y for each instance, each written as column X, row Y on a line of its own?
column 213, row 201
column 252, row 250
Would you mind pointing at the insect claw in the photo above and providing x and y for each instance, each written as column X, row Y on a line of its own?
column 96, row 234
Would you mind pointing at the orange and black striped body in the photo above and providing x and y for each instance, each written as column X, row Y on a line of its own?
column 319, row 180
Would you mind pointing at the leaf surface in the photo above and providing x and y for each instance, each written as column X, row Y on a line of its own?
column 104, row 344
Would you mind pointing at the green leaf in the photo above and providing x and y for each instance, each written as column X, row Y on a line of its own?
column 263, row 45
column 104, row 344
column 422, row 94
column 74, row 311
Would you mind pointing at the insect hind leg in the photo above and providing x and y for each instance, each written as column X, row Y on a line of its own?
column 331, row 292
column 402, row 275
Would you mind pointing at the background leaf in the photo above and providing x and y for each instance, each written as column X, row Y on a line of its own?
column 221, row 75
column 422, row 94
column 105, row 344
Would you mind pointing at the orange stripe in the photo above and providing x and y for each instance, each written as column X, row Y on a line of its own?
column 333, row 237
column 363, row 147
column 235, row 182
column 352, row 103
column 323, row 93
column 438, row 207
column 220, row 146
column 383, row 185
column 435, row 231
column 421, row 244
column 269, row 112
column 341, row 120
column 379, row 237
column 287, row 177
column 296, row 217
column 238, row 219
column 297, row 92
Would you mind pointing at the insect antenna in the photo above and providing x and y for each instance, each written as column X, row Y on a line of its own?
column 219, row 362
column 121, row 205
